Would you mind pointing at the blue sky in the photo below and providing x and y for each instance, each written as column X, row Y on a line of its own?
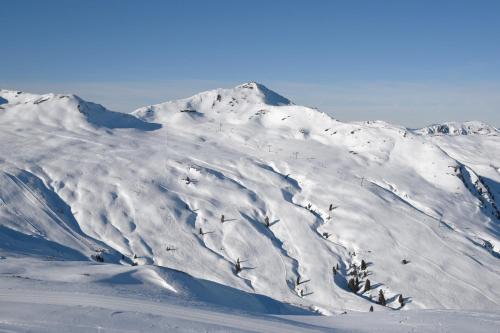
column 408, row 62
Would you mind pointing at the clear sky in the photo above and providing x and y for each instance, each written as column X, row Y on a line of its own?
column 407, row 62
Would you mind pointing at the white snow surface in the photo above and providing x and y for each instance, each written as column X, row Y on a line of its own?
column 454, row 128
column 146, row 191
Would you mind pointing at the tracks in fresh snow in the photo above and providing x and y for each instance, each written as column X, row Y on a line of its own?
column 71, row 228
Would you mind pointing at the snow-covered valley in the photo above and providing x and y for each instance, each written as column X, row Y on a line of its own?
column 238, row 207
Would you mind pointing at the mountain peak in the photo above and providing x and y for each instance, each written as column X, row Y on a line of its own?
column 267, row 95
column 242, row 98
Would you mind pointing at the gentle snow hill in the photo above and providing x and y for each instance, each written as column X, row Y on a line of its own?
column 41, row 296
column 78, row 182
column 67, row 111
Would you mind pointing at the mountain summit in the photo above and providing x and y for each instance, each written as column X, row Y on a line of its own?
column 262, row 94
column 244, row 97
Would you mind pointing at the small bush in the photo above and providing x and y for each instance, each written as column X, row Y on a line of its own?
column 237, row 266
column 98, row 257
column 353, row 286
column 367, row 285
column 401, row 301
column 381, row 298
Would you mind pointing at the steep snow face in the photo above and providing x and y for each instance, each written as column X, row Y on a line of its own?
column 454, row 128
column 29, row 208
column 242, row 188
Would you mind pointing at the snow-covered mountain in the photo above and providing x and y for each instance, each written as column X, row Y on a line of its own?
column 64, row 111
column 232, row 103
column 454, row 128
column 265, row 205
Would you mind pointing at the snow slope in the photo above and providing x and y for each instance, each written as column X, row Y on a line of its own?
column 82, row 297
column 69, row 296
column 78, row 182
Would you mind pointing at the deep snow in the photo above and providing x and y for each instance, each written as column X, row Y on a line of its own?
column 78, row 182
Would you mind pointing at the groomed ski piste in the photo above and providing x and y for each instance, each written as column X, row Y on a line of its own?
column 236, row 210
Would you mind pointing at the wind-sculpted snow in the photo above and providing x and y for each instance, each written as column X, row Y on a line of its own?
column 242, row 189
